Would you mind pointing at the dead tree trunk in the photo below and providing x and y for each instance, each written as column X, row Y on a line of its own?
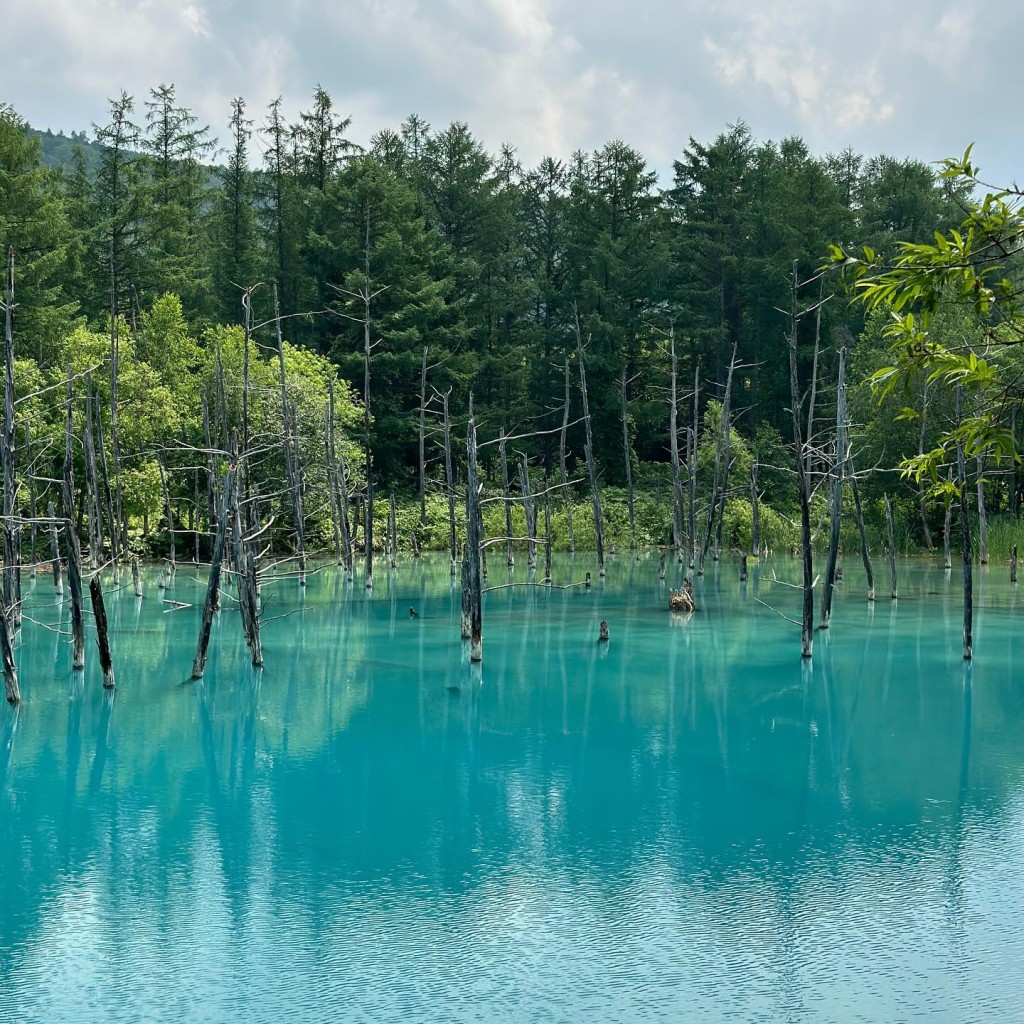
column 449, row 478
column 11, row 574
column 627, row 452
column 216, row 560
column 115, row 428
column 12, row 690
column 292, row 468
column 32, row 508
column 922, row 507
column 865, row 555
column 947, row 529
column 965, row 539
column 99, row 614
column 168, row 512
column 691, row 470
column 807, row 619
column 891, row 546
column 595, row 494
column 338, row 486
column 566, row 498
column 530, row 513
column 465, row 626
column 392, row 532
column 245, row 569
column 673, row 437
column 547, row 533
column 721, row 472
column 211, row 479
column 982, row 518
column 837, row 494
column 74, row 554
column 136, row 578
column 92, row 496
column 116, row 530
column 423, row 439
column 474, row 536
column 506, row 492
column 58, row 583
column 1013, row 564
column 755, row 511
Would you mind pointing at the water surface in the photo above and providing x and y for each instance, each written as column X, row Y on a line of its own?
column 684, row 824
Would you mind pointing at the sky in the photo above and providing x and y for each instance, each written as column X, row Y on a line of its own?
column 921, row 78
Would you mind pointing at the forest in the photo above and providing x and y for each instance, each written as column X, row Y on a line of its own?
column 455, row 272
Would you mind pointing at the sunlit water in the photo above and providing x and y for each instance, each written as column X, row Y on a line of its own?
column 684, row 824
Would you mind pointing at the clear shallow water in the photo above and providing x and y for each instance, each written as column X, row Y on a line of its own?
column 687, row 824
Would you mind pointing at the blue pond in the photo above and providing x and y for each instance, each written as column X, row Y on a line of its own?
column 684, row 824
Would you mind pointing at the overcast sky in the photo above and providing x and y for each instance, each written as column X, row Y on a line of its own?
column 916, row 78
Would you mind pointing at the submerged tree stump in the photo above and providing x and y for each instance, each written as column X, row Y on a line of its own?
column 681, row 600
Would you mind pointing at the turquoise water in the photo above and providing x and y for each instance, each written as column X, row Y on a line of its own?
column 684, row 824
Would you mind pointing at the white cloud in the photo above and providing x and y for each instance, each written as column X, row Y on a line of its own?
column 921, row 76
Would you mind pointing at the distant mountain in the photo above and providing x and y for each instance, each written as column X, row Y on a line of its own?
column 57, row 150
